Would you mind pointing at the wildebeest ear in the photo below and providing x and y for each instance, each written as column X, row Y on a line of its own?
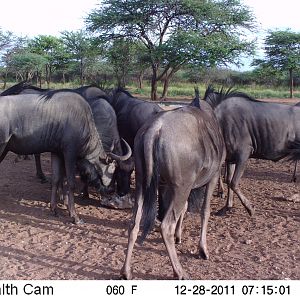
column 196, row 101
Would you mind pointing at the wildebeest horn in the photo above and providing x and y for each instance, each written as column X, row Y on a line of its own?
column 122, row 157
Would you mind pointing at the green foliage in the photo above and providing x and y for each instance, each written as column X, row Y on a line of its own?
column 6, row 38
column 175, row 32
column 283, row 50
column 26, row 64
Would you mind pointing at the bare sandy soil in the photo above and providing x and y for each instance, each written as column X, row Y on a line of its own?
column 36, row 245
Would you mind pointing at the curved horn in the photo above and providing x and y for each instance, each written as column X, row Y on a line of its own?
column 121, row 157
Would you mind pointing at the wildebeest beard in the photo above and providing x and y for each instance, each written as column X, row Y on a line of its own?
column 89, row 175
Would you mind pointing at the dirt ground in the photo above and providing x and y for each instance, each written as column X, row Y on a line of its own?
column 36, row 245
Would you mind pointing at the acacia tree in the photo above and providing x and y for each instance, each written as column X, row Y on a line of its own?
column 52, row 49
column 175, row 32
column 81, row 49
column 26, row 64
column 282, row 51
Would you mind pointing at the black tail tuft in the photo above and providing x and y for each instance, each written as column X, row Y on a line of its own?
column 150, row 198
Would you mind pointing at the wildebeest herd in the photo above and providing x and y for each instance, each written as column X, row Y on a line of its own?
column 176, row 153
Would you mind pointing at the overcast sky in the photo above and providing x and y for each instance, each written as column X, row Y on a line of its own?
column 36, row 17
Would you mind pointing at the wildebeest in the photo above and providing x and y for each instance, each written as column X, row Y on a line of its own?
column 60, row 122
column 131, row 114
column 294, row 177
column 176, row 152
column 253, row 129
column 106, row 124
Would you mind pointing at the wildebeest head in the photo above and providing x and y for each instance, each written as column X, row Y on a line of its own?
column 89, row 175
column 106, row 166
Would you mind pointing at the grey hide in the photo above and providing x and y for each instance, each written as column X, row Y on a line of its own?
column 61, row 123
column 176, row 151
column 253, row 129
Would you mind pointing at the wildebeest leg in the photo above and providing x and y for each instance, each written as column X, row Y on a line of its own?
column 85, row 191
column 168, row 226
column 234, row 185
column 220, row 187
column 56, row 180
column 294, row 178
column 70, row 163
column 38, row 166
column 3, row 152
column 178, row 230
column 133, row 233
column 230, row 170
column 205, row 214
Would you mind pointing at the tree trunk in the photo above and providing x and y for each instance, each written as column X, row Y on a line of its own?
column 167, row 80
column 81, row 72
column 291, row 83
column 140, row 79
column 64, row 78
column 154, row 83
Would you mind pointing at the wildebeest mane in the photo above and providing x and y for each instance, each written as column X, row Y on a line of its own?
column 121, row 90
column 214, row 98
column 20, row 87
column 49, row 94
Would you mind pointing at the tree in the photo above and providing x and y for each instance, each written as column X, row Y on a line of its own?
column 81, row 48
column 176, row 32
column 9, row 43
column 6, row 39
column 26, row 64
column 282, row 52
column 52, row 49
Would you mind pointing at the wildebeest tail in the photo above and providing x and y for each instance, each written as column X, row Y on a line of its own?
column 150, row 184
column 293, row 151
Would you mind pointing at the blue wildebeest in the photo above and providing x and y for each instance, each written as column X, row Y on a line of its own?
column 131, row 114
column 294, row 177
column 176, row 152
column 253, row 129
column 60, row 122
column 106, row 124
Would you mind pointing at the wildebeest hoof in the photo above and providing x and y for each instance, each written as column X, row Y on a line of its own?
column 223, row 211
column 43, row 179
column 78, row 221
column 178, row 240
column 182, row 276
column 203, row 254
column 54, row 212
column 127, row 275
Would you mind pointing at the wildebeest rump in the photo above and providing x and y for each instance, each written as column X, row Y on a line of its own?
column 176, row 152
column 61, row 123
column 24, row 88
column 253, row 129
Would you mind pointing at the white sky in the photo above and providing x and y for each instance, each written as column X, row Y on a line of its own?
column 276, row 14
column 38, row 17
column 35, row 17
